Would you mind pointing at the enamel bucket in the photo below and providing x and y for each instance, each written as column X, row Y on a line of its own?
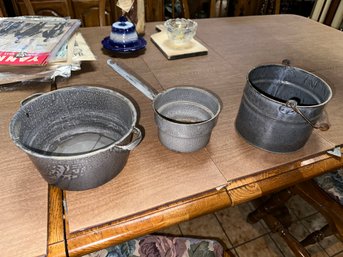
column 280, row 107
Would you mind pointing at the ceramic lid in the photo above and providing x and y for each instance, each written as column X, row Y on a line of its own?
column 123, row 26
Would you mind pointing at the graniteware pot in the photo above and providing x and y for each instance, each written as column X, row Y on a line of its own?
column 185, row 116
column 78, row 137
column 280, row 107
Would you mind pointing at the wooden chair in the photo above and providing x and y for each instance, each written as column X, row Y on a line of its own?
column 62, row 8
column 157, row 11
column 96, row 13
column 329, row 12
column 160, row 245
column 91, row 13
column 218, row 8
column 184, row 9
column 319, row 193
column 3, row 12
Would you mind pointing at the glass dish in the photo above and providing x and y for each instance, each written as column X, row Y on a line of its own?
column 180, row 31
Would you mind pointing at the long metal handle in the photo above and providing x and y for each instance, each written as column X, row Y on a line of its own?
column 294, row 105
column 138, row 84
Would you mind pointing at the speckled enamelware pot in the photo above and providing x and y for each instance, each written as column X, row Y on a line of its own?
column 275, row 101
column 184, row 115
column 78, row 137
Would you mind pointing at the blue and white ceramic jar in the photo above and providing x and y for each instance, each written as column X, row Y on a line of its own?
column 123, row 32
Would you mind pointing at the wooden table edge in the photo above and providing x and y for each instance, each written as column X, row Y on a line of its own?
column 234, row 193
column 98, row 237
column 264, row 183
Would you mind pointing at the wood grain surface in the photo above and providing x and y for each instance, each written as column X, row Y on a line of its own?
column 155, row 175
column 158, row 187
column 143, row 223
column 172, row 51
column 24, row 194
column 56, row 223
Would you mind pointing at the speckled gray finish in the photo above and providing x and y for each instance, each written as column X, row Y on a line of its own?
column 49, row 129
column 185, row 116
column 265, row 121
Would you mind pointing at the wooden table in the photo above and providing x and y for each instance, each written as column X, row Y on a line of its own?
column 158, row 188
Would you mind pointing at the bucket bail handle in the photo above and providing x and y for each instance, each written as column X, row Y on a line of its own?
column 294, row 105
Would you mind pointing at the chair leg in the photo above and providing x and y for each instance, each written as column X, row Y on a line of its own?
column 329, row 208
column 276, row 226
column 276, row 215
column 283, row 215
column 317, row 235
column 272, row 204
column 228, row 253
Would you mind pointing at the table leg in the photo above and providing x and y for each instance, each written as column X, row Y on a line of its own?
column 56, row 235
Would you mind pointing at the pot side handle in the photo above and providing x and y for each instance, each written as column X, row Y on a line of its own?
column 138, row 138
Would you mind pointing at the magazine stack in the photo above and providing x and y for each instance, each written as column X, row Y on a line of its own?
column 39, row 47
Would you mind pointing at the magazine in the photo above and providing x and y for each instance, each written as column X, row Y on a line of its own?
column 33, row 40
column 68, row 59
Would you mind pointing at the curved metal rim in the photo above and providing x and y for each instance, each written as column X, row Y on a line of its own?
column 192, row 88
column 296, row 68
column 84, row 155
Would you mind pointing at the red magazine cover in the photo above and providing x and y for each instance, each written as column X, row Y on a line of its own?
column 33, row 40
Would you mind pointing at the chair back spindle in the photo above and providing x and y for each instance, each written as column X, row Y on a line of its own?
column 156, row 10
column 329, row 12
column 29, row 7
column 218, row 8
column 3, row 12
column 102, row 12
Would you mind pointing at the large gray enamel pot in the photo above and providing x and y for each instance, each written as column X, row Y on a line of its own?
column 185, row 116
column 280, row 107
column 78, row 137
